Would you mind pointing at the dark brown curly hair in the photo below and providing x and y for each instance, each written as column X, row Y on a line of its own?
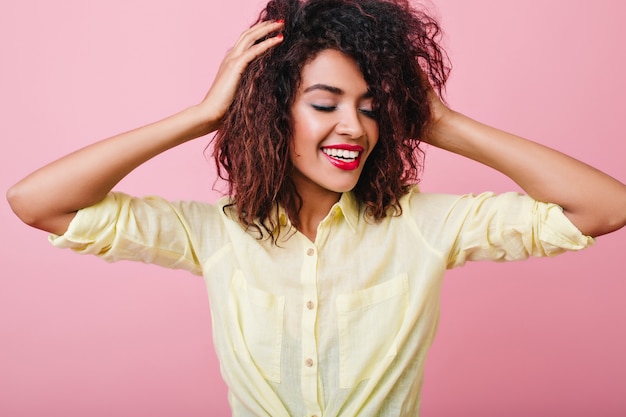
column 395, row 46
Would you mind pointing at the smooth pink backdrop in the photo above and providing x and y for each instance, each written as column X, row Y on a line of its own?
column 79, row 337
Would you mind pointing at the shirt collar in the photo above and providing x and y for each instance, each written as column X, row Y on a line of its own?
column 347, row 207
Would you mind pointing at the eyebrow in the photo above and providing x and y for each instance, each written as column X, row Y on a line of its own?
column 333, row 90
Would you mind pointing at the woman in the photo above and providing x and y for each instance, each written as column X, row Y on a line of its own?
column 324, row 265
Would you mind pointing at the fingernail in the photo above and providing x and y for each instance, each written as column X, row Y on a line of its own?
column 281, row 21
column 279, row 36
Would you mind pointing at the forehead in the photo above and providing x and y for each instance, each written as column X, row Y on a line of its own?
column 333, row 68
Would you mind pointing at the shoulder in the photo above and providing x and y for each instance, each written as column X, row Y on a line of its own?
column 420, row 203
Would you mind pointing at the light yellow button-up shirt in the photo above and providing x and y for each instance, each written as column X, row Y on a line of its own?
column 336, row 327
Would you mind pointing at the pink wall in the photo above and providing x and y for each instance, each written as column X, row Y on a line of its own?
column 79, row 337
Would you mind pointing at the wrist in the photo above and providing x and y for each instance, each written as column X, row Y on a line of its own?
column 201, row 119
column 443, row 127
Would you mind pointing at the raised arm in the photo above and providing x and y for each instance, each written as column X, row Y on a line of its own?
column 49, row 198
column 592, row 200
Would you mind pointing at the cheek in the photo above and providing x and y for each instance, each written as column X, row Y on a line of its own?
column 373, row 133
column 306, row 135
column 376, row 133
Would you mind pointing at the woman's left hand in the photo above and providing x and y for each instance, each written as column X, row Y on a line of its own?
column 593, row 201
column 439, row 113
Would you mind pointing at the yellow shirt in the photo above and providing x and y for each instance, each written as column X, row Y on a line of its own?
column 336, row 327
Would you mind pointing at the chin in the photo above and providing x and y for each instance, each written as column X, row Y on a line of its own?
column 343, row 188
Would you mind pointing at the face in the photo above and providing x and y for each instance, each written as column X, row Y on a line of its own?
column 334, row 125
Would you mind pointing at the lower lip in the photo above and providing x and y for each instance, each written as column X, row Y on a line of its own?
column 344, row 165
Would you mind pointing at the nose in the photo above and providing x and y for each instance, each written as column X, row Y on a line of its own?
column 350, row 124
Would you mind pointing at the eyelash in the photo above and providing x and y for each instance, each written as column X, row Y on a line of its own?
column 368, row 113
column 327, row 109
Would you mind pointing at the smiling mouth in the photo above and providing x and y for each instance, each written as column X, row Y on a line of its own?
column 343, row 155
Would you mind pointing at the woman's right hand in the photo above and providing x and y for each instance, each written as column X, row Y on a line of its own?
column 50, row 197
column 221, row 94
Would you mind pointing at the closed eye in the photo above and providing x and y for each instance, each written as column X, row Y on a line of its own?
column 368, row 113
column 326, row 109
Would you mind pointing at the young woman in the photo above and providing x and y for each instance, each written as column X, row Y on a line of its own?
column 324, row 264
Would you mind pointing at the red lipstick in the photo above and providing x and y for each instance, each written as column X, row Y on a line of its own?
column 343, row 162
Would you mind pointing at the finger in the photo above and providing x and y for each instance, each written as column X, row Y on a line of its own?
column 248, row 48
column 248, row 38
column 259, row 48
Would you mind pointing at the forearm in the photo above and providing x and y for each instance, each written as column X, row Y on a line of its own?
column 49, row 197
column 594, row 202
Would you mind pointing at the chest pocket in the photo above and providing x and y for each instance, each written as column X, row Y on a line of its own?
column 259, row 315
column 369, row 322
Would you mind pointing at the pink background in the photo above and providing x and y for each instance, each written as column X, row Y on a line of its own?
column 79, row 337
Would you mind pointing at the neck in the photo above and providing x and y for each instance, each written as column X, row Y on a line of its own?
column 316, row 204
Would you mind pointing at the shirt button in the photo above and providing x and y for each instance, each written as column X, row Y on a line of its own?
column 308, row 362
column 310, row 252
column 310, row 305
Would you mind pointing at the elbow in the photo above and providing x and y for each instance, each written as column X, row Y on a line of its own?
column 618, row 219
column 19, row 203
column 27, row 207
column 612, row 219
column 601, row 226
column 32, row 209
column 608, row 226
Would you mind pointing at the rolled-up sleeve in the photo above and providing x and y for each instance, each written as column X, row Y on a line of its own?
column 150, row 230
column 495, row 227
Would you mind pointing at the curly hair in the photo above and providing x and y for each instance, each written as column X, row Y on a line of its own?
column 396, row 48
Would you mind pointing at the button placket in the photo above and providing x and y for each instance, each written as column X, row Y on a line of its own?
column 309, row 377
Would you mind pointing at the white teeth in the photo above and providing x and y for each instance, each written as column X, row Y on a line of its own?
column 341, row 153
